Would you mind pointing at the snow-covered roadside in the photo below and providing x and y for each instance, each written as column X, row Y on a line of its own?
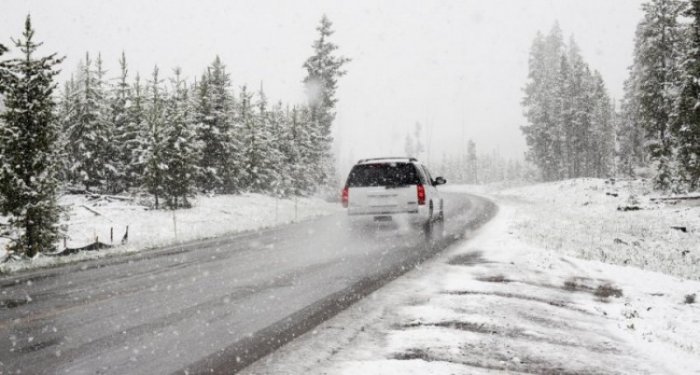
column 90, row 218
column 497, row 303
column 618, row 222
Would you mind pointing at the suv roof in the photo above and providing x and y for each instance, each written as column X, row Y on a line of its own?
column 388, row 160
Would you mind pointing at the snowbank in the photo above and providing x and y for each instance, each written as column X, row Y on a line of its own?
column 89, row 219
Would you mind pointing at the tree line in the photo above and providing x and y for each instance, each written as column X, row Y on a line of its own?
column 573, row 129
column 570, row 129
column 660, row 112
column 169, row 137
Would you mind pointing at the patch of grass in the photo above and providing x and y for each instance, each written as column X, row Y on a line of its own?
column 414, row 353
column 458, row 325
column 495, row 279
column 607, row 290
column 467, row 259
column 577, row 284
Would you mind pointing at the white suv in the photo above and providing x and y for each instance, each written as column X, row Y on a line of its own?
column 393, row 189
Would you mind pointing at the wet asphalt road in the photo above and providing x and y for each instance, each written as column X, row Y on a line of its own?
column 210, row 306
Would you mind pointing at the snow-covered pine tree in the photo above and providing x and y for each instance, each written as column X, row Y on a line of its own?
column 4, row 83
column 181, row 149
column 602, row 145
column 686, row 121
column 553, row 122
column 66, row 108
column 217, row 131
column 130, row 137
column 119, row 106
column 89, row 131
column 4, row 73
column 208, row 179
column 250, row 136
column 292, row 152
column 152, row 142
column 258, row 151
column 536, row 132
column 658, row 49
column 631, row 153
column 280, row 145
column 306, row 163
column 323, row 69
column 111, row 165
column 578, row 134
column 28, row 142
column 565, row 99
column 472, row 163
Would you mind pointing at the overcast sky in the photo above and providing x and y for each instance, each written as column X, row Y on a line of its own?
column 458, row 66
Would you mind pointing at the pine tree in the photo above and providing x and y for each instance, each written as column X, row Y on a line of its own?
column 90, row 131
column 658, row 49
column 554, row 122
column 686, row 122
column 305, row 164
column 323, row 69
column 181, row 149
column 28, row 145
column 119, row 106
column 65, row 114
column 602, row 144
column 251, row 147
column 130, row 137
column 152, row 143
column 268, row 173
column 472, row 163
column 578, row 132
column 4, row 72
column 278, row 154
column 293, row 153
column 630, row 134
column 565, row 99
column 537, row 136
column 111, row 165
column 216, row 129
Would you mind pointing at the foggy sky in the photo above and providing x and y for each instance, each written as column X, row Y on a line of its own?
column 458, row 67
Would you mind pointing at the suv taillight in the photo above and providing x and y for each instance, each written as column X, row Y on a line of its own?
column 346, row 197
column 421, row 194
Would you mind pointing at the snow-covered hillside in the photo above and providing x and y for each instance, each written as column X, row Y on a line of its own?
column 89, row 219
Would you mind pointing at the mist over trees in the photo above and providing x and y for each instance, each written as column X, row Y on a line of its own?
column 117, row 133
column 570, row 131
column 473, row 167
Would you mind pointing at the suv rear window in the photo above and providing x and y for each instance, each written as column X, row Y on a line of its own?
column 383, row 174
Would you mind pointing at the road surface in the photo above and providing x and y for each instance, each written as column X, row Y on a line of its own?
column 206, row 306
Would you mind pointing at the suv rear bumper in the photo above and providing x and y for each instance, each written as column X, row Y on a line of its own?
column 417, row 216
